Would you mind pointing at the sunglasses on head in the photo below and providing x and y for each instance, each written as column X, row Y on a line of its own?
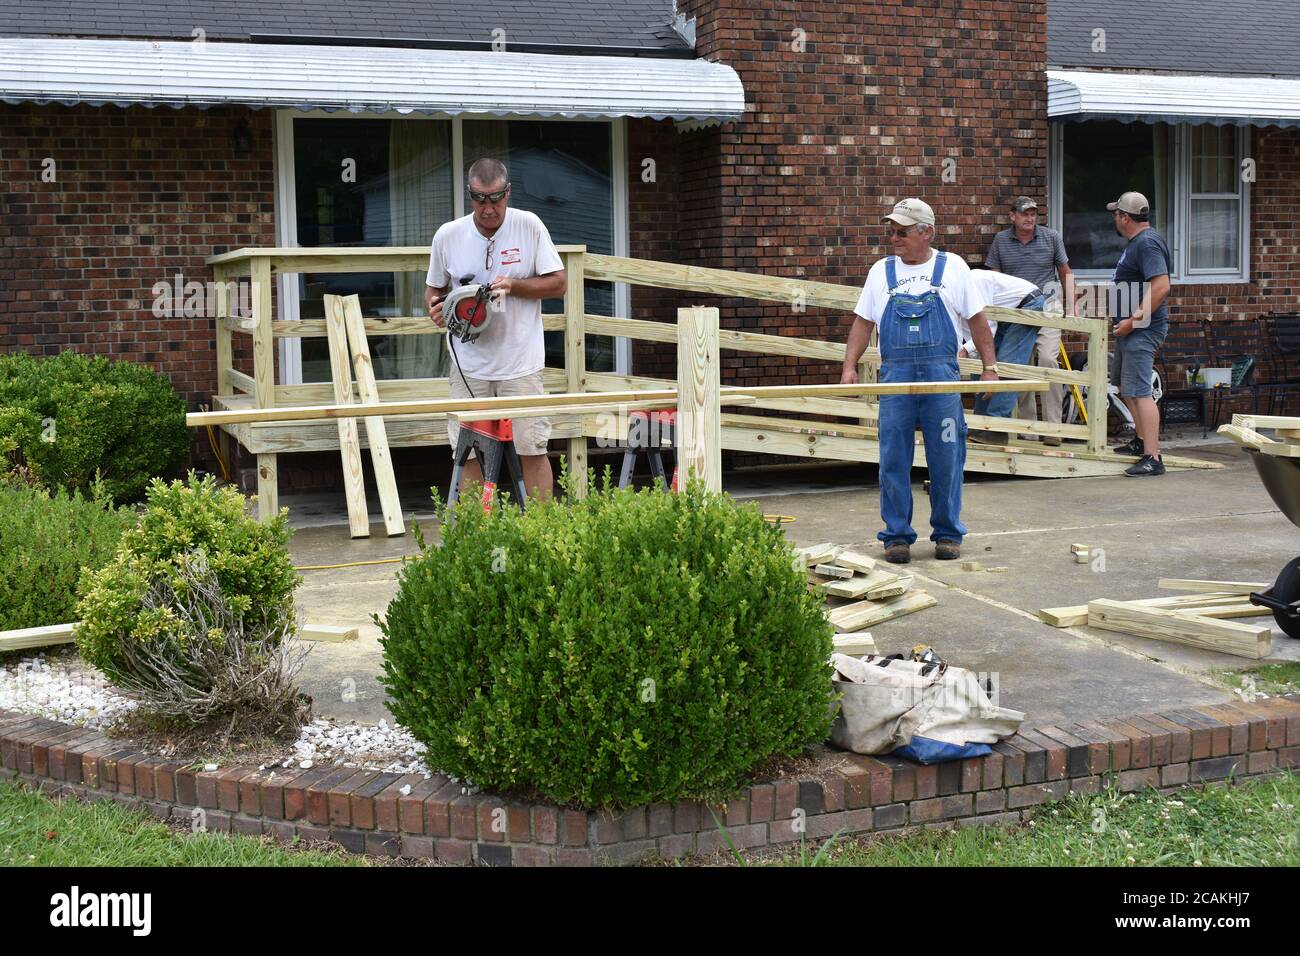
column 489, row 197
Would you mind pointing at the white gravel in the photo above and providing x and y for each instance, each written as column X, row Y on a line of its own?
column 66, row 689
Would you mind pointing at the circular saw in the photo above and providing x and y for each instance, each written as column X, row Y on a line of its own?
column 468, row 311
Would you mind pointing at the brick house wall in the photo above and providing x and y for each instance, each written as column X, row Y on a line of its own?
column 139, row 196
column 834, row 133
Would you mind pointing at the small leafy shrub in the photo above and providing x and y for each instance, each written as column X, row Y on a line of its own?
column 626, row 648
column 211, row 666
column 70, row 416
column 138, row 607
column 45, row 541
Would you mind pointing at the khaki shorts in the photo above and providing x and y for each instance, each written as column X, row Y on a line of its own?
column 531, row 434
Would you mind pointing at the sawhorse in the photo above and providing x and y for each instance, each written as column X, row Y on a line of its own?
column 491, row 442
column 648, row 430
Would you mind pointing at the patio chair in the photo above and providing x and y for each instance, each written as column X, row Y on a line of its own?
column 1237, row 344
column 1281, row 331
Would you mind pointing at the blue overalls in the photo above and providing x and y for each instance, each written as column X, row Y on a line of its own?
column 919, row 344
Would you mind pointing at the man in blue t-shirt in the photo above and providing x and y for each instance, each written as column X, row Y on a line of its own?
column 1141, row 285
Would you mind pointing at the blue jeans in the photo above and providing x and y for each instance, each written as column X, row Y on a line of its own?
column 1012, row 343
column 943, row 427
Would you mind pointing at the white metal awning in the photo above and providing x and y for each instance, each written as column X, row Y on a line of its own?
column 365, row 79
column 1164, row 98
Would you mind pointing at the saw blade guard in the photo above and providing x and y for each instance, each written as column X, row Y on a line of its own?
column 467, row 311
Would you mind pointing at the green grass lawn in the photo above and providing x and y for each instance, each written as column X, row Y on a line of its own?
column 36, row 830
column 1254, row 823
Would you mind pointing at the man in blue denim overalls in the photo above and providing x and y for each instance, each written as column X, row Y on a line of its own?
column 919, row 299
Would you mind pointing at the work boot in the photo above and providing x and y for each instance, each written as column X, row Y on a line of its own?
column 983, row 436
column 1134, row 447
column 1052, row 440
column 1147, row 465
column 947, row 550
column 899, row 552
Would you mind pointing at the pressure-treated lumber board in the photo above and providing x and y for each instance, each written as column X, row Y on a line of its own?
column 1184, row 601
column 1181, row 627
column 380, row 457
column 855, row 560
column 815, row 554
column 327, row 632
column 699, row 383
column 354, row 481
column 1071, row 616
column 859, row 587
column 27, row 637
column 833, row 571
column 854, row 617
column 855, row 645
column 1221, row 587
column 890, row 589
column 575, row 361
column 1228, row 611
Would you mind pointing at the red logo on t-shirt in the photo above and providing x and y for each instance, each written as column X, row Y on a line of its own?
column 510, row 257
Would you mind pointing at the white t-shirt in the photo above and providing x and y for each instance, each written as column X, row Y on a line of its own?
column 960, row 296
column 513, row 344
column 1000, row 289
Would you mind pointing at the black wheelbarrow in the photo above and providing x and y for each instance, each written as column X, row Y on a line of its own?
column 1281, row 478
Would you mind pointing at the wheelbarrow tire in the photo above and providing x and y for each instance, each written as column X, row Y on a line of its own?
column 1287, row 588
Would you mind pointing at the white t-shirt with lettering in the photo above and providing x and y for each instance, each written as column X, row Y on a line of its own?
column 960, row 296
column 513, row 344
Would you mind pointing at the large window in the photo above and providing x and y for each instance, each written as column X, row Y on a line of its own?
column 1191, row 174
column 382, row 182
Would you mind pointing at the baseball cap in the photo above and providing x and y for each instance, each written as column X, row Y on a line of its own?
column 1021, row 203
column 1135, row 204
column 912, row 212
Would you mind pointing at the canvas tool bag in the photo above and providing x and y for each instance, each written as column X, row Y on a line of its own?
column 886, row 702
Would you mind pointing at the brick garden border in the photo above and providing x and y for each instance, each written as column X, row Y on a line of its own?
column 366, row 812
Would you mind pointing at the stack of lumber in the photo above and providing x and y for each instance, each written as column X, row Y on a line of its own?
column 1204, row 618
column 859, row 594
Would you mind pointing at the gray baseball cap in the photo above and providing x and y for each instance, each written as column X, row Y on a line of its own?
column 1021, row 203
column 1135, row 204
column 912, row 212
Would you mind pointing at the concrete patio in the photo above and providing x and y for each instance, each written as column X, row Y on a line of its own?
column 1217, row 524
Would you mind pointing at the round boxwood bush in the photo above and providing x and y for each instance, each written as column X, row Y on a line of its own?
column 71, row 416
column 188, row 529
column 46, row 539
column 628, row 648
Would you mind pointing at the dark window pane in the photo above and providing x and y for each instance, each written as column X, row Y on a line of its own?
column 364, row 182
column 1101, row 160
column 561, row 172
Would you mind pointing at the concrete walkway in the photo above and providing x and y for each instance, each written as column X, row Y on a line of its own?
column 1217, row 524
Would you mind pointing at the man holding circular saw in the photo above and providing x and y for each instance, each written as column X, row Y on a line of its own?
column 499, row 264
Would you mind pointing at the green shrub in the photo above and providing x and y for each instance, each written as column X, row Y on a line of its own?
column 45, row 541
column 190, row 526
column 70, row 416
column 618, row 650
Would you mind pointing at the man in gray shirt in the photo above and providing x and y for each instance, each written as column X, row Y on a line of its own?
column 1037, row 254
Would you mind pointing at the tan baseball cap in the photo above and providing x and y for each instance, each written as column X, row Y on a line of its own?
column 912, row 212
column 1135, row 204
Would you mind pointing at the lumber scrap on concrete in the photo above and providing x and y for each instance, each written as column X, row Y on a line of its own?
column 1219, row 587
column 816, row 554
column 327, row 632
column 1071, row 616
column 855, row 560
column 864, row 614
column 1181, row 627
column 858, row 587
column 855, row 645
column 25, row 638
column 833, row 571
